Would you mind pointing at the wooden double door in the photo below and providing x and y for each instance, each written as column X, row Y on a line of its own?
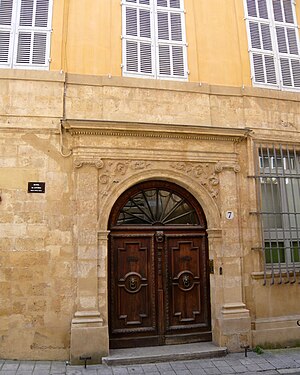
column 159, row 278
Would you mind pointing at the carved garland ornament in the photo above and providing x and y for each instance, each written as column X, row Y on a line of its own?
column 205, row 173
column 112, row 171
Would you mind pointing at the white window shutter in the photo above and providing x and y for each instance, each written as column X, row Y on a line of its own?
column 6, row 19
column 32, row 44
column 153, row 34
column 261, row 47
column 287, row 38
column 171, row 50
column 137, row 38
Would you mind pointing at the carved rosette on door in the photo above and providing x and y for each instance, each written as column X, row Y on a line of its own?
column 185, row 281
column 133, row 282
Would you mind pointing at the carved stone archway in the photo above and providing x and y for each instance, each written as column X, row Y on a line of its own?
column 101, row 175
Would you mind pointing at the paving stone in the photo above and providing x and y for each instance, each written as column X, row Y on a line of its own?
column 164, row 367
column 197, row 371
column 89, row 371
column 239, row 369
column 42, row 365
column 259, row 360
column 58, row 364
column 233, row 363
column 178, row 366
column 167, row 372
column 253, row 368
column 149, row 367
column 104, row 370
column 24, row 372
column 206, row 364
column 119, row 370
column 194, row 364
column 182, row 372
column 71, row 371
column 266, row 366
column 41, row 371
column 10, row 366
column 135, row 370
column 220, row 363
column 27, row 364
column 212, row 370
column 8, row 372
column 226, row 370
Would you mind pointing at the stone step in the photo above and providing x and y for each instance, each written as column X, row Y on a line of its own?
column 167, row 353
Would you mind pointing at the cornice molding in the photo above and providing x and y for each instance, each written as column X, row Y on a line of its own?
column 153, row 130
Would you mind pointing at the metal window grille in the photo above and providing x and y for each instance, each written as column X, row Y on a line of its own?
column 278, row 177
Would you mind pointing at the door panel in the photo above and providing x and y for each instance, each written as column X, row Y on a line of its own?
column 187, row 300
column 158, row 289
column 132, row 289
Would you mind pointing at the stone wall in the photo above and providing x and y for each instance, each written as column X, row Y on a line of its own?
column 117, row 132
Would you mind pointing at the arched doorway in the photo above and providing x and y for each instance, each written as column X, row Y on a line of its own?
column 158, row 268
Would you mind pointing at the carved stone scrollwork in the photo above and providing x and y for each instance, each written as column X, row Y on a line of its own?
column 219, row 167
column 114, row 170
column 205, row 173
column 237, row 168
column 80, row 161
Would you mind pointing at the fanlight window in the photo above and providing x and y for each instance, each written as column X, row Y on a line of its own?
column 157, row 207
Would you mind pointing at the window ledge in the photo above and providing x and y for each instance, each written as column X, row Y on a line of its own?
column 275, row 273
column 32, row 75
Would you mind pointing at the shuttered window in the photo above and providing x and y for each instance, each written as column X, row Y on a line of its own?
column 273, row 39
column 25, row 28
column 154, row 41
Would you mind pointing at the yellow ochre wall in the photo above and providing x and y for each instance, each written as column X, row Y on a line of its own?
column 86, row 39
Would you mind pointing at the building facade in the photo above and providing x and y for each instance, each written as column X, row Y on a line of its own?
column 149, row 181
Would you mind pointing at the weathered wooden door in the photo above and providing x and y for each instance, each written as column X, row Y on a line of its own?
column 158, row 261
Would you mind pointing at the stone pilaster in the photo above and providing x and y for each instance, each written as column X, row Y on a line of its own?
column 233, row 323
column 89, row 336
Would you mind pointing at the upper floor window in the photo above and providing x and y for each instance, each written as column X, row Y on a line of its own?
column 154, row 40
column 273, row 38
column 25, row 27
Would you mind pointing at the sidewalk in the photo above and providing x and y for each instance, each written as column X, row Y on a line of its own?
column 273, row 362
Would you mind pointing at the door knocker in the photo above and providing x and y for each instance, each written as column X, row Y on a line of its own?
column 186, row 281
column 132, row 283
column 159, row 235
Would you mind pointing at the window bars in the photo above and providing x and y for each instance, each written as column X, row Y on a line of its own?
column 278, row 188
